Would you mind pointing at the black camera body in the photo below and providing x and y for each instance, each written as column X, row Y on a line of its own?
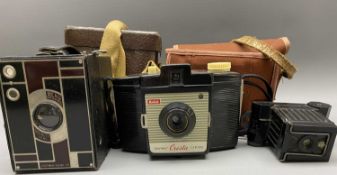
column 54, row 112
column 178, row 112
column 295, row 132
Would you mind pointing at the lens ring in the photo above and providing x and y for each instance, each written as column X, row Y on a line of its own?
column 306, row 144
column 47, row 117
column 177, row 119
column 13, row 94
column 9, row 71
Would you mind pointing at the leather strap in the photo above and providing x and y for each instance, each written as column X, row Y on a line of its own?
column 111, row 46
column 287, row 67
column 151, row 68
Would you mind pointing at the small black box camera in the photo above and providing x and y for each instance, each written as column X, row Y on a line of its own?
column 295, row 132
column 178, row 112
column 54, row 112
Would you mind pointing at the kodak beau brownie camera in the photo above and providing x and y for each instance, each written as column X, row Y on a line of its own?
column 54, row 112
column 178, row 112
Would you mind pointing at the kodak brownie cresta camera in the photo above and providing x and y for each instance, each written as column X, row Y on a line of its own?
column 178, row 112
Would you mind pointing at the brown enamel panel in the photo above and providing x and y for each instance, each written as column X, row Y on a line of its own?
column 72, row 72
column 61, row 156
column 36, row 70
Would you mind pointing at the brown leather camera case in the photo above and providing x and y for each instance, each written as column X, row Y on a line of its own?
column 245, row 60
column 139, row 46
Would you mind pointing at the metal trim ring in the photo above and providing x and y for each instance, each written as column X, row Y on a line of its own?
column 9, row 94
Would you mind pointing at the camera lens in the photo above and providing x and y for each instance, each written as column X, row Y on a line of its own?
column 307, row 143
column 312, row 144
column 48, row 117
column 178, row 122
column 177, row 119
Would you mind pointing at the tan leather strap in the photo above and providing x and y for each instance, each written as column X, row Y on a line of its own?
column 287, row 67
column 111, row 46
column 151, row 68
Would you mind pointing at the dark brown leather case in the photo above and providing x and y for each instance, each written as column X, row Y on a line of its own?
column 139, row 46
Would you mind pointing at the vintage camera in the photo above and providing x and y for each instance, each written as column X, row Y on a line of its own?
column 54, row 112
column 178, row 112
column 295, row 132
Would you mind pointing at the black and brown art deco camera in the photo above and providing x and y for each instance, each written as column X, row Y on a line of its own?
column 54, row 112
column 177, row 112
column 295, row 132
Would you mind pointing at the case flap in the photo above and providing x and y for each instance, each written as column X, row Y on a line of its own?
column 280, row 44
column 90, row 37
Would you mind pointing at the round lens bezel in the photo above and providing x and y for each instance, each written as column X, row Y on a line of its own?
column 170, row 115
column 41, row 125
column 168, row 111
column 10, row 96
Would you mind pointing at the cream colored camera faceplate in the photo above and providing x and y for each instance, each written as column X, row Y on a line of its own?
column 159, row 141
